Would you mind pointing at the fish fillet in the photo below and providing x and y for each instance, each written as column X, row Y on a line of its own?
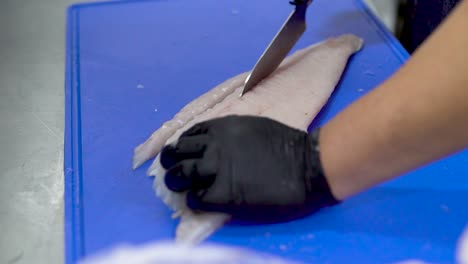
column 294, row 94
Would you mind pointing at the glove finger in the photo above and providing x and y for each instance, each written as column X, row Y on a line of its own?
column 197, row 129
column 190, row 174
column 196, row 201
column 188, row 147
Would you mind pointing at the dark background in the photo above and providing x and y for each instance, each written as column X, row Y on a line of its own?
column 419, row 18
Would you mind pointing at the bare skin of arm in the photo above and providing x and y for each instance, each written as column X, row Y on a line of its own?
column 417, row 116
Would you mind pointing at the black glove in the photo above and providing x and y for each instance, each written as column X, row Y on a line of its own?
column 250, row 167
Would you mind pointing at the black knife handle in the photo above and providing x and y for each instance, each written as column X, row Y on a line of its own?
column 298, row 2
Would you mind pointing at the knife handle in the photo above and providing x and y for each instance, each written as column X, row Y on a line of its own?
column 300, row 2
column 297, row 2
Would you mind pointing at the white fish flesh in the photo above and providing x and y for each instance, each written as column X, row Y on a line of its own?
column 462, row 248
column 172, row 253
column 294, row 94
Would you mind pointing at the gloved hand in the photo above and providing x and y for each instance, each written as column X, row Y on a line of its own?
column 250, row 167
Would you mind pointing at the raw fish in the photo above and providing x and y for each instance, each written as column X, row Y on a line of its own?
column 294, row 94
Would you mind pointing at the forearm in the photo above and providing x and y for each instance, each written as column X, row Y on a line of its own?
column 417, row 116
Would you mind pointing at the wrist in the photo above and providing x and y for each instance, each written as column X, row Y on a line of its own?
column 317, row 185
column 345, row 175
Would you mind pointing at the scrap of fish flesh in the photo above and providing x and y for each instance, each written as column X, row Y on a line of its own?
column 294, row 94
column 171, row 253
column 462, row 248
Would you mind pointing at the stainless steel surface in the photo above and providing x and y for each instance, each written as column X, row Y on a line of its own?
column 386, row 10
column 281, row 45
column 32, row 39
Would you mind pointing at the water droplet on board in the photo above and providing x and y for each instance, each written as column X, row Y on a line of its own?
column 140, row 86
column 369, row 73
column 444, row 208
column 427, row 246
column 155, row 110
column 235, row 12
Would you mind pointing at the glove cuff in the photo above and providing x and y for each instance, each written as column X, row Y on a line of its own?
column 318, row 189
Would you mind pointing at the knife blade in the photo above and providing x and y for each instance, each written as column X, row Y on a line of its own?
column 282, row 43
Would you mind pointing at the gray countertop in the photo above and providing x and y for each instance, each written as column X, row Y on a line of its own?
column 32, row 41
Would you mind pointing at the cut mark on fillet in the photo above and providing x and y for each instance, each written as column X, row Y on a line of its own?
column 202, row 104
column 293, row 95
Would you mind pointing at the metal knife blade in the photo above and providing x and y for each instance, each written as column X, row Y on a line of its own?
column 281, row 45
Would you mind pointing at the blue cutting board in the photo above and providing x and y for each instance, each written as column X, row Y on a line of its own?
column 131, row 65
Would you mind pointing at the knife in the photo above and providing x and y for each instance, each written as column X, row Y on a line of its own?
column 281, row 45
